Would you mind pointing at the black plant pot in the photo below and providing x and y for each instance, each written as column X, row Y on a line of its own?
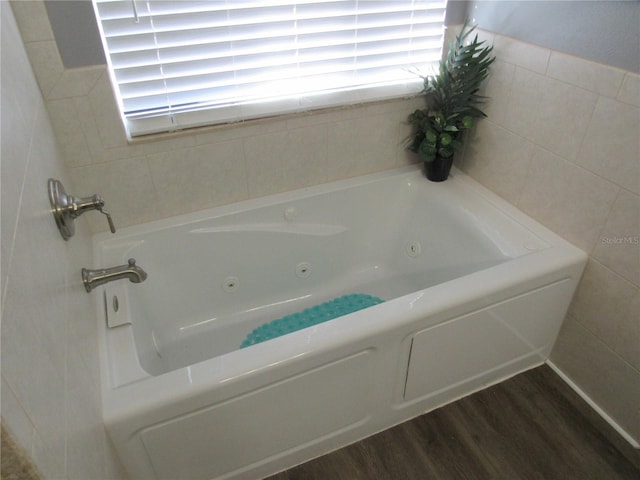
column 438, row 169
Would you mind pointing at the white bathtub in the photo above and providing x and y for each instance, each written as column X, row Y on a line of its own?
column 474, row 290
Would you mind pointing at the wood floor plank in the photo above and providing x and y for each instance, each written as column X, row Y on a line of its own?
column 532, row 426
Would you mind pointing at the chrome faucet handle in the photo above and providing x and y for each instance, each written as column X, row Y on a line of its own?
column 112, row 227
column 66, row 208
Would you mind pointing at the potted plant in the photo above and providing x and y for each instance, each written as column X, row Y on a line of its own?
column 452, row 100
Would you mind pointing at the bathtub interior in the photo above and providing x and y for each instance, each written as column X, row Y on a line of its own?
column 213, row 280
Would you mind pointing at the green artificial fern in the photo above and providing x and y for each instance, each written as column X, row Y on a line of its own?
column 453, row 97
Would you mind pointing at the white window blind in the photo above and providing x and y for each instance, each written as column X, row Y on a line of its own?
column 182, row 63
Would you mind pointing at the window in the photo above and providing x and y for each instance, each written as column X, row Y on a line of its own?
column 180, row 64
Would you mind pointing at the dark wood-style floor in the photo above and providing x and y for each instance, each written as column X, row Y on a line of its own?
column 532, row 426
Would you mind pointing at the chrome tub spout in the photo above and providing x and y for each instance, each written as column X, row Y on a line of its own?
column 94, row 278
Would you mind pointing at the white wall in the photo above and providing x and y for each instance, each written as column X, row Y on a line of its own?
column 50, row 384
column 605, row 31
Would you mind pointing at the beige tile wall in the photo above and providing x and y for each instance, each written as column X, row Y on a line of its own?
column 562, row 142
column 50, row 381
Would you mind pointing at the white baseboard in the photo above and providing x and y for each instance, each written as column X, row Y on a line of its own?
column 594, row 405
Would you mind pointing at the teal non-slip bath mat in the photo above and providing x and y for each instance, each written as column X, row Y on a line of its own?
column 311, row 316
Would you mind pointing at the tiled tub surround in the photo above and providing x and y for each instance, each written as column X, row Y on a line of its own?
column 561, row 142
column 50, row 389
column 173, row 174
